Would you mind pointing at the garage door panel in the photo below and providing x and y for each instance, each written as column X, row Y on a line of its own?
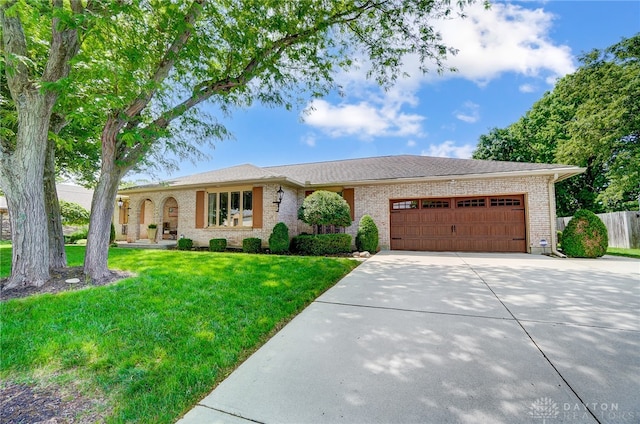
column 476, row 224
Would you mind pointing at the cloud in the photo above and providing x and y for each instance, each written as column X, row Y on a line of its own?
column 505, row 38
column 527, row 88
column 309, row 140
column 469, row 114
column 411, row 143
column 364, row 119
column 448, row 149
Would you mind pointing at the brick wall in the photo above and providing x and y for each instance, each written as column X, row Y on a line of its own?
column 369, row 199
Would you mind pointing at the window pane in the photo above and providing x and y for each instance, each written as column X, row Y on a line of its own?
column 405, row 204
column 224, row 209
column 212, row 209
column 247, row 208
column 235, row 209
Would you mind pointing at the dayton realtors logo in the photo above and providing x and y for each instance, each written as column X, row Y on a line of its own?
column 544, row 409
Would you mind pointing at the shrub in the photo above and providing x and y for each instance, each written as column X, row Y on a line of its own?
column 279, row 239
column 217, row 245
column 185, row 244
column 321, row 244
column 73, row 214
column 251, row 245
column 112, row 234
column 325, row 208
column 367, row 236
column 78, row 235
column 152, row 226
column 585, row 236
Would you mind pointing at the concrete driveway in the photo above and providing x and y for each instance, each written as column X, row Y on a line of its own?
column 451, row 338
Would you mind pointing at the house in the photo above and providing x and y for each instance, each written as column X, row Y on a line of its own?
column 68, row 192
column 417, row 202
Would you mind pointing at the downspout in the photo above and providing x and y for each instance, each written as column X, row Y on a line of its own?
column 552, row 216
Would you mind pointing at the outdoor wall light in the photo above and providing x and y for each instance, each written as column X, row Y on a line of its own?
column 120, row 202
column 279, row 196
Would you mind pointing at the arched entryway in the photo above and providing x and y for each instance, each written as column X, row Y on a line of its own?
column 170, row 219
column 146, row 218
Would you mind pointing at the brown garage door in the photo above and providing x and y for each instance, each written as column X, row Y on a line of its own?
column 469, row 224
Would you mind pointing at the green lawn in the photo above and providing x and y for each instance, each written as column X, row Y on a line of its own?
column 631, row 253
column 153, row 345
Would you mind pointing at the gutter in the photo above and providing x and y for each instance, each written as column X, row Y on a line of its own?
column 552, row 216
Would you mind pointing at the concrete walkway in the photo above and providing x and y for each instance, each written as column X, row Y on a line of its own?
column 451, row 338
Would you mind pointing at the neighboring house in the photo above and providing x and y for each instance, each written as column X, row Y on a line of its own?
column 417, row 202
column 68, row 192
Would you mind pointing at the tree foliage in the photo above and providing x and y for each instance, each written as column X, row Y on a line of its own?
column 73, row 213
column 325, row 208
column 590, row 119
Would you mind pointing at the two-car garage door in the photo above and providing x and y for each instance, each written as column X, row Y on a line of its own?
column 470, row 224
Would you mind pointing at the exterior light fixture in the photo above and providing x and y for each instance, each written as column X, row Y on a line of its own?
column 279, row 196
column 120, row 202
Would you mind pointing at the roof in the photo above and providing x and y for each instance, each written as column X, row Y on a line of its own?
column 366, row 171
column 68, row 192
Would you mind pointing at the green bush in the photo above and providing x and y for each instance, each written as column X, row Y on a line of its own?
column 112, row 234
column 73, row 214
column 82, row 233
column 217, row 245
column 321, row 244
column 185, row 244
column 367, row 236
column 279, row 239
column 325, row 208
column 251, row 245
column 585, row 236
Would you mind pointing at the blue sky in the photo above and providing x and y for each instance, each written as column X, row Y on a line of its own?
column 508, row 57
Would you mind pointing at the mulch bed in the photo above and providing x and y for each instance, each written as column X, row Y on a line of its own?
column 58, row 283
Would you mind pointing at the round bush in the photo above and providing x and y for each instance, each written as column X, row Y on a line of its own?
column 217, row 245
column 367, row 236
column 279, row 239
column 185, row 244
column 325, row 208
column 585, row 236
column 251, row 245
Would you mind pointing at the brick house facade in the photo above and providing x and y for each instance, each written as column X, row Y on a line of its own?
column 186, row 207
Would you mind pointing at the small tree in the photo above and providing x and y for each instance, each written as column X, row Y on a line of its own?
column 73, row 213
column 585, row 236
column 279, row 239
column 367, row 236
column 325, row 208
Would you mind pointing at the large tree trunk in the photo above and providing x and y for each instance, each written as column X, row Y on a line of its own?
column 102, row 208
column 57, row 254
column 21, row 177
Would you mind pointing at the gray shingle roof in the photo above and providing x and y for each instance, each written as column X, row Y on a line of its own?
column 371, row 169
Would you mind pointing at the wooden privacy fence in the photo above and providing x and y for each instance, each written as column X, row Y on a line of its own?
column 623, row 228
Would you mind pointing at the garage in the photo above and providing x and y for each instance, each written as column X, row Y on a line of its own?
column 466, row 224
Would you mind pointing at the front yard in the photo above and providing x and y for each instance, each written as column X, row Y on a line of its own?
column 148, row 348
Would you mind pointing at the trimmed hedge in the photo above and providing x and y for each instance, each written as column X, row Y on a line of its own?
column 367, row 236
column 185, row 244
column 279, row 239
column 251, row 245
column 321, row 244
column 78, row 235
column 217, row 245
column 585, row 236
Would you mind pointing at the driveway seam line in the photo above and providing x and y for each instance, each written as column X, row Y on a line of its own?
column 544, row 355
column 573, row 324
column 230, row 413
column 411, row 310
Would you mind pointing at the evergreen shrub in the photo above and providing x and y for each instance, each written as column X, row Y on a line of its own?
column 585, row 236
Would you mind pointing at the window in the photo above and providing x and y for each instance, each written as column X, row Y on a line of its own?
column 435, row 204
column 471, row 203
column 505, row 201
column 405, row 204
column 230, row 209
